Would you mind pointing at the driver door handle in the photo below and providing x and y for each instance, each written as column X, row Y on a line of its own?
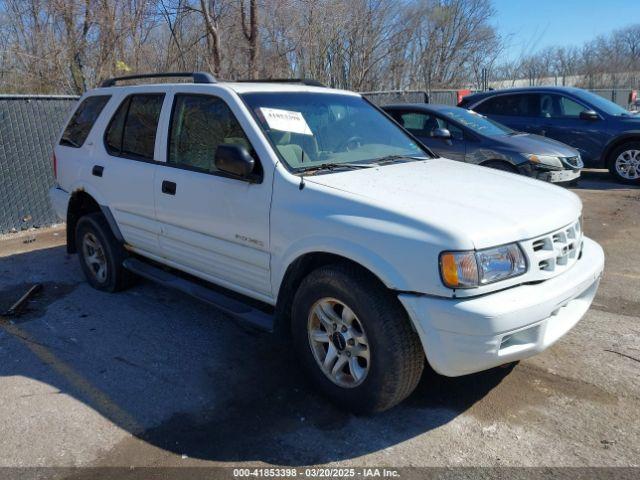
column 168, row 187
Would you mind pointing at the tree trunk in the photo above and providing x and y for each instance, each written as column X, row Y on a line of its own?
column 251, row 34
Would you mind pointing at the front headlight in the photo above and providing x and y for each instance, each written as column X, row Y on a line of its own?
column 548, row 160
column 473, row 269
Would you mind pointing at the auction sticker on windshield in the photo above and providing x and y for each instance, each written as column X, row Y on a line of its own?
column 286, row 121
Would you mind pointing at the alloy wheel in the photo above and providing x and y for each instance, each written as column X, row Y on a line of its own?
column 94, row 257
column 628, row 164
column 339, row 342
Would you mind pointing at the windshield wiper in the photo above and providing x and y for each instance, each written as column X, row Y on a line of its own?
column 396, row 158
column 335, row 166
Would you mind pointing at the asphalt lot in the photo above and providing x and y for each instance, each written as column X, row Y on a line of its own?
column 150, row 377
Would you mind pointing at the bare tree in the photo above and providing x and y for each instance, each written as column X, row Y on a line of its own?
column 251, row 34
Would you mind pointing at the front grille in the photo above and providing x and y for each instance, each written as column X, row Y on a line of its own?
column 555, row 252
column 573, row 162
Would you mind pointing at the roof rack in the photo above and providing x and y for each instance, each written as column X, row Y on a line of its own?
column 198, row 77
column 305, row 81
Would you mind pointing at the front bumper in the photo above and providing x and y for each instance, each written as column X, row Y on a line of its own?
column 549, row 175
column 462, row 336
column 558, row 176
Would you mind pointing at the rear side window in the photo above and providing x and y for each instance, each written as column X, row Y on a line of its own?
column 199, row 124
column 521, row 105
column 132, row 130
column 82, row 120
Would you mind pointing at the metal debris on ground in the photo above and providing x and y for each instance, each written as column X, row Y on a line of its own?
column 19, row 305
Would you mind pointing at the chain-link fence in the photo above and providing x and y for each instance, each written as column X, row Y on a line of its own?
column 388, row 97
column 621, row 96
column 28, row 128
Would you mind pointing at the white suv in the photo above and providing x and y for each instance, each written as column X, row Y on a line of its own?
column 306, row 209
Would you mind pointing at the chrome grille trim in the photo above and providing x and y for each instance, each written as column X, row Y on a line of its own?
column 573, row 162
column 554, row 253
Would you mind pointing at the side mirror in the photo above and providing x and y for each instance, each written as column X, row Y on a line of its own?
column 442, row 133
column 235, row 160
column 588, row 115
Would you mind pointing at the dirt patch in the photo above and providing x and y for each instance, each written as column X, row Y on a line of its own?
column 528, row 386
column 30, row 240
column 618, row 305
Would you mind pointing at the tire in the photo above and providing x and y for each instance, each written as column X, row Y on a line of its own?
column 374, row 378
column 499, row 165
column 627, row 154
column 94, row 238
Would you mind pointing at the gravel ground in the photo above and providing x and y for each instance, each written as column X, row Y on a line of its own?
column 150, row 377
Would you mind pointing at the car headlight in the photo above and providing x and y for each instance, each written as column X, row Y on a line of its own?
column 475, row 268
column 548, row 160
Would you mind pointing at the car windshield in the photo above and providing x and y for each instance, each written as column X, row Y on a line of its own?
column 476, row 122
column 310, row 130
column 603, row 104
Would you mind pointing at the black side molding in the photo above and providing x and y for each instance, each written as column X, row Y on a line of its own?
column 235, row 308
column 112, row 223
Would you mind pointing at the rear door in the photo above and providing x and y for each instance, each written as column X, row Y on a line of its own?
column 422, row 124
column 125, row 168
column 519, row 111
column 213, row 226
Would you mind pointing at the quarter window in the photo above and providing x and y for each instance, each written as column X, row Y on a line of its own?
column 132, row 130
column 82, row 120
column 200, row 123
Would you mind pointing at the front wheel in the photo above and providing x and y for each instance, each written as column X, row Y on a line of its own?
column 624, row 163
column 355, row 339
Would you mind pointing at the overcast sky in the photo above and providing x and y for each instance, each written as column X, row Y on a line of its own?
column 535, row 24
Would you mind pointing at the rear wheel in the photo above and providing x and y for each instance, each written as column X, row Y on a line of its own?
column 101, row 255
column 355, row 339
column 624, row 163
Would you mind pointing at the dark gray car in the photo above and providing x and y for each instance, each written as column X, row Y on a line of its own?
column 605, row 134
column 460, row 134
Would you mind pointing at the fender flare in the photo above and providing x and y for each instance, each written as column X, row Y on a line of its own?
column 101, row 201
column 355, row 252
column 618, row 140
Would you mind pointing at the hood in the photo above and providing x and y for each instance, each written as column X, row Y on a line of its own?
column 472, row 203
column 539, row 145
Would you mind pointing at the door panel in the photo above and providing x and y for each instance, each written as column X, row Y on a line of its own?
column 128, row 178
column 211, row 224
column 454, row 149
column 216, row 225
column 560, row 120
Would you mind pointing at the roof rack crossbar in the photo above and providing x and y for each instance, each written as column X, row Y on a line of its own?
column 198, row 77
column 305, row 81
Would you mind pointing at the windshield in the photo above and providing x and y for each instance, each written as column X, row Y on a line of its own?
column 476, row 122
column 602, row 103
column 313, row 129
